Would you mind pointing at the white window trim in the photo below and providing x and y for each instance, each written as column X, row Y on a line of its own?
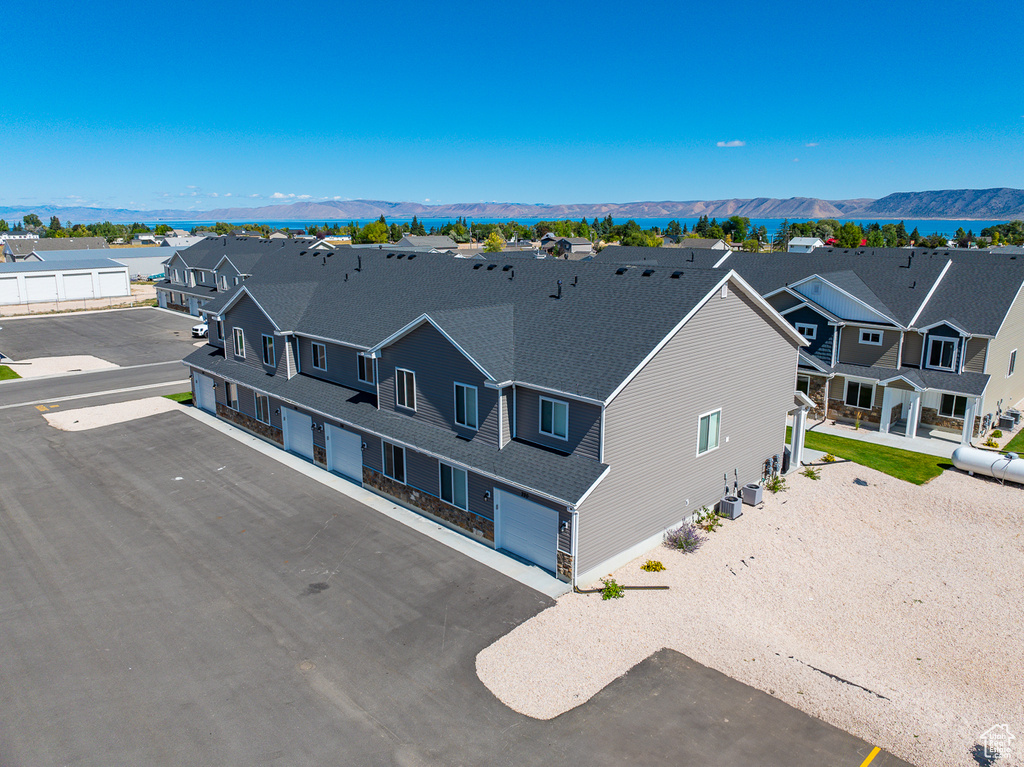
column 808, row 379
column 943, row 395
column 384, row 462
column 273, row 361
column 323, row 355
column 361, row 362
column 540, row 418
column 455, row 404
column 802, row 326
column 718, row 442
column 928, row 352
column 846, row 393
column 440, row 484
column 1011, row 366
column 227, row 395
column 237, row 334
column 397, row 388
column 256, row 406
column 865, row 331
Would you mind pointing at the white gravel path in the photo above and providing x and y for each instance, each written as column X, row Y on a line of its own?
column 914, row 593
column 48, row 366
column 85, row 418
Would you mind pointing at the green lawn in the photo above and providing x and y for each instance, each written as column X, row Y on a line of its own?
column 6, row 374
column 1016, row 445
column 902, row 464
column 185, row 398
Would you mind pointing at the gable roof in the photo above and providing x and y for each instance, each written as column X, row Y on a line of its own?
column 428, row 241
column 24, row 247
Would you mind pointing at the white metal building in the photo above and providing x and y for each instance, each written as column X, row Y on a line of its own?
column 40, row 281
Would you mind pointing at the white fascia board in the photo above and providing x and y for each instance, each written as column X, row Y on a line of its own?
column 931, row 291
column 887, row 381
column 592, row 488
column 401, row 443
column 559, row 393
column 722, row 260
column 805, row 304
column 925, row 328
column 415, row 324
column 852, row 297
column 745, row 288
column 331, row 341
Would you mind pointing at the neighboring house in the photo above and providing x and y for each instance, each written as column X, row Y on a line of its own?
column 574, row 246
column 182, row 240
column 4, row 236
column 565, row 412
column 900, row 339
column 439, row 243
column 147, row 239
column 19, row 250
column 805, row 244
column 279, row 235
column 31, row 282
column 694, row 243
column 141, row 262
column 196, row 275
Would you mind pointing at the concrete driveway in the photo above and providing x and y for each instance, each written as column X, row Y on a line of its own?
column 170, row 596
column 128, row 337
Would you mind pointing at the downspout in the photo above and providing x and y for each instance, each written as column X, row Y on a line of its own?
column 574, row 542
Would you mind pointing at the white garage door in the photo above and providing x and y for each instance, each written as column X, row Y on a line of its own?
column 206, row 398
column 9, row 291
column 344, row 452
column 41, row 288
column 298, row 432
column 112, row 284
column 525, row 528
column 77, row 286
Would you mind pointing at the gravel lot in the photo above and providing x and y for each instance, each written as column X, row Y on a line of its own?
column 912, row 596
column 85, row 418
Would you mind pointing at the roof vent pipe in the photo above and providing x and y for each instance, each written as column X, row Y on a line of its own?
column 559, row 289
column 359, row 262
column 576, row 280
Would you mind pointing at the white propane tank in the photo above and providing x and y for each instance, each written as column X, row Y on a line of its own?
column 1003, row 466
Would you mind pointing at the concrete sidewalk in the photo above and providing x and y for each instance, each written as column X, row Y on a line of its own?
column 941, row 444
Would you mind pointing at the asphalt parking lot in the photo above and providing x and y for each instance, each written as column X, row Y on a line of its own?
column 170, row 596
column 127, row 337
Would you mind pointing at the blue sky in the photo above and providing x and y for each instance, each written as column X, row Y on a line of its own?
column 199, row 105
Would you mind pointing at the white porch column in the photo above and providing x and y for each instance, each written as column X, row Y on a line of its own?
column 973, row 406
column 883, row 425
column 796, row 443
column 913, row 414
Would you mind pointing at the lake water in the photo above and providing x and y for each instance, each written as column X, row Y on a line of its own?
column 925, row 227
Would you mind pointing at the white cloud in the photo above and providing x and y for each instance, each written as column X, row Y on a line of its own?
column 191, row 186
column 304, row 196
column 796, row 159
column 228, row 194
column 730, row 144
column 427, row 200
column 279, row 196
column 812, row 143
column 255, row 196
column 213, row 194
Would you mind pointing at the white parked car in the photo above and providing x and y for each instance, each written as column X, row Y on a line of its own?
column 202, row 330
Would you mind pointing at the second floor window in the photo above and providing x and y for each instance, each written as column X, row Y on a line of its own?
column 941, row 353
column 810, row 332
column 319, row 356
column 239, row 343
column 554, row 418
column 465, row 405
column 872, row 337
column 405, row 388
column 268, row 350
column 365, row 368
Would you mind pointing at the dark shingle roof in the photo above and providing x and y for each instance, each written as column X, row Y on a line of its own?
column 24, row 247
column 976, row 293
column 562, row 477
column 961, row 383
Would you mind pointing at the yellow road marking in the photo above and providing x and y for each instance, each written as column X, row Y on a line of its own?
column 871, row 757
column 42, row 408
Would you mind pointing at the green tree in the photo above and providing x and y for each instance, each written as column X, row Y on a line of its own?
column 876, row 239
column 673, row 229
column 55, row 224
column 494, row 243
column 32, row 220
column 394, row 233
column 3, row 226
column 752, row 245
column 375, row 232
column 915, row 236
column 737, row 227
column 849, row 235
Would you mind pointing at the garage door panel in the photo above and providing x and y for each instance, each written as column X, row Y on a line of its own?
column 345, row 453
column 526, row 529
column 298, row 432
column 41, row 288
column 78, row 286
column 206, row 397
column 9, row 293
column 112, row 284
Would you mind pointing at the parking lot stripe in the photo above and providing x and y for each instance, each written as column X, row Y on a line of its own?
column 871, row 757
column 39, row 402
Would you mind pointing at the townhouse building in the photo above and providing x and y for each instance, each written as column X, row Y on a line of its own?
column 565, row 413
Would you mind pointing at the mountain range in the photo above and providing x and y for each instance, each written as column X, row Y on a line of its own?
column 982, row 204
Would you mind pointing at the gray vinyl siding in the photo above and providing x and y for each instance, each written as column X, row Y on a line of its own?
column 506, row 415
column 372, row 455
column 852, row 351
column 584, row 423
column 730, row 355
column 342, row 366
column 227, row 270
column 211, row 335
column 1006, row 391
column 821, row 345
column 912, row 345
column 255, row 324
column 974, row 361
column 438, row 366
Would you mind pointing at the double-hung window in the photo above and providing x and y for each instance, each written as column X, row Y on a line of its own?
column 319, row 356
column 953, row 406
column 708, row 431
column 405, row 388
column 872, row 337
column 808, row 331
column 554, row 418
column 941, row 353
column 859, row 395
column 268, row 350
column 263, row 408
column 364, row 370
column 1013, row 363
column 231, row 392
column 465, row 406
column 220, row 330
column 454, row 486
column 394, row 462
column 239, row 343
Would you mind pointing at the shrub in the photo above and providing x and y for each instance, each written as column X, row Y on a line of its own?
column 652, row 566
column 776, row 484
column 686, row 538
column 611, row 590
column 991, row 443
column 707, row 520
column 811, row 473
column 856, row 423
column 996, row 434
column 828, row 458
